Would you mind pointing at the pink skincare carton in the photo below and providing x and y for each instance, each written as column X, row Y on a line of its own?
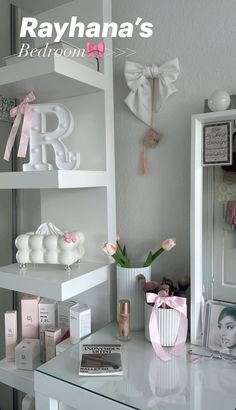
column 52, row 338
column 28, row 354
column 10, row 334
column 30, row 317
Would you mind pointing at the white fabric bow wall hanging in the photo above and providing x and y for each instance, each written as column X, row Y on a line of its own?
column 150, row 87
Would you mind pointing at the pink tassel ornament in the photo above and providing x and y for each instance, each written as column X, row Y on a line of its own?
column 150, row 140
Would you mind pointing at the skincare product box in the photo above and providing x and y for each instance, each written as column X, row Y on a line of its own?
column 47, row 320
column 28, row 354
column 52, row 338
column 62, row 346
column 63, row 315
column 30, row 317
column 80, row 322
column 10, row 334
column 28, row 403
column 47, row 314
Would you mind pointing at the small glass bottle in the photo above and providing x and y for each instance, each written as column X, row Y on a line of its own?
column 124, row 319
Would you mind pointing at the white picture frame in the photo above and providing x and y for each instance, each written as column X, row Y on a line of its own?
column 220, row 328
column 217, row 144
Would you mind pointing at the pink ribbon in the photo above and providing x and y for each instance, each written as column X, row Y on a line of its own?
column 70, row 237
column 174, row 302
column 143, row 163
column 22, row 108
column 95, row 50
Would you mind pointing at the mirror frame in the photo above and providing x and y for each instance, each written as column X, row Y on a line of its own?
column 196, row 216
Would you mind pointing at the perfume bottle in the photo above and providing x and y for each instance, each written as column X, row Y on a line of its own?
column 124, row 319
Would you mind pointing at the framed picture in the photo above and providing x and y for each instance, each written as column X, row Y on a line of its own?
column 220, row 327
column 217, row 144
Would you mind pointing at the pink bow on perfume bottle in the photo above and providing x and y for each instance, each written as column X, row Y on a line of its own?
column 22, row 108
column 95, row 50
column 174, row 302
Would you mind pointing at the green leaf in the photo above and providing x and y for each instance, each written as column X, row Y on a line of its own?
column 118, row 259
column 124, row 259
column 119, row 247
column 148, row 260
column 157, row 253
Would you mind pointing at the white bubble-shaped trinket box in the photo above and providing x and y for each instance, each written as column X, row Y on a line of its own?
column 50, row 245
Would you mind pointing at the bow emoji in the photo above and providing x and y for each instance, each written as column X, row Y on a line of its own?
column 22, row 108
column 95, row 50
column 150, row 87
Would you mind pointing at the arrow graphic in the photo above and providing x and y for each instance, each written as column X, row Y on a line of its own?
column 132, row 52
column 119, row 52
column 108, row 52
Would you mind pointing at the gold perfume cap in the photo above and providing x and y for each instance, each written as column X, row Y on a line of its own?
column 124, row 306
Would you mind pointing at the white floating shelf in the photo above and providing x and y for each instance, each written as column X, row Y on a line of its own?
column 36, row 6
column 53, row 179
column 53, row 281
column 22, row 380
column 49, row 78
column 227, row 115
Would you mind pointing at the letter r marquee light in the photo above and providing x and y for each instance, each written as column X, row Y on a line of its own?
column 34, row 131
column 40, row 138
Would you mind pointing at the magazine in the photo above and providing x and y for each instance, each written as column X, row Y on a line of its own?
column 101, row 360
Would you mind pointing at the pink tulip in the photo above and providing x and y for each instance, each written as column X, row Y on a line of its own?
column 168, row 244
column 117, row 237
column 109, row 248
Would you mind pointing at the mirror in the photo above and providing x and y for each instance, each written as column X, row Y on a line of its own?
column 213, row 241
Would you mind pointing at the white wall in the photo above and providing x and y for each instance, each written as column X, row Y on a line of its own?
column 157, row 206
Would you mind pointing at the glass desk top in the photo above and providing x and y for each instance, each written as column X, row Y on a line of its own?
column 149, row 383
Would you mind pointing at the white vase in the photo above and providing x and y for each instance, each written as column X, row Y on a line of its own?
column 168, row 324
column 129, row 287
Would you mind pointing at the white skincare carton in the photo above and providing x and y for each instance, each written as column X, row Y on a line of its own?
column 28, row 403
column 52, row 338
column 28, row 354
column 30, row 317
column 62, row 346
column 80, row 322
column 63, row 315
column 10, row 334
column 47, row 320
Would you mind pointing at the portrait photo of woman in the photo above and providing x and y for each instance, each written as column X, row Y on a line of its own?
column 227, row 328
column 220, row 327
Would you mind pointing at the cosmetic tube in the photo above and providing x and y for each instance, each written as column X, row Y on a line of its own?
column 124, row 319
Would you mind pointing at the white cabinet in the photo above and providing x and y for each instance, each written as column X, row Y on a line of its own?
column 75, row 200
column 212, row 260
